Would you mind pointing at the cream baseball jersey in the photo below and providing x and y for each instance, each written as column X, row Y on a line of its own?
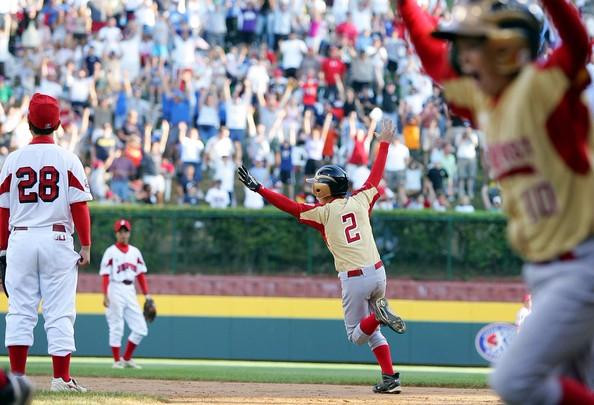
column 39, row 182
column 539, row 138
column 122, row 266
column 542, row 160
column 347, row 229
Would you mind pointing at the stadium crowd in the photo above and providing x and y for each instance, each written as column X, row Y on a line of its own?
column 163, row 99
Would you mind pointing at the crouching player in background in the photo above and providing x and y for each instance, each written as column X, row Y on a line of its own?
column 344, row 223
column 121, row 265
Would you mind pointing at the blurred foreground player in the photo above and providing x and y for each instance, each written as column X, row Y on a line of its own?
column 539, row 138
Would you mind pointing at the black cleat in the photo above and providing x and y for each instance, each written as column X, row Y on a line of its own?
column 386, row 317
column 390, row 384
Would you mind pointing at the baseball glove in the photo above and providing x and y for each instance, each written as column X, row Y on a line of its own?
column 150, row 310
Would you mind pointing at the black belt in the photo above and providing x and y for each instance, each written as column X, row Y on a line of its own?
column 128, row 282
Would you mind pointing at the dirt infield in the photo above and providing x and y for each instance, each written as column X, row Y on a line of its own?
column 208, row 392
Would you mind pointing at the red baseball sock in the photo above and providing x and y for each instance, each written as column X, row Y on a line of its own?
column 18, row 358
column 384, row 358
column 116, row 353
column 3, row 379
column 61, row 367
column 575, row 393
column 369, row 324
column 129, row 350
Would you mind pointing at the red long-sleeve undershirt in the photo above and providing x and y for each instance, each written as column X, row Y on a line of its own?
column 433, row 52
column 82, row 222
column 80, row 215
column 4, row 231
column 142, row 282
column 377, row 170
column 282, row 202
column 574, row 52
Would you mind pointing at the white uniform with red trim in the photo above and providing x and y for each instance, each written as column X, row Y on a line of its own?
column 122, row 268
column 38, row 183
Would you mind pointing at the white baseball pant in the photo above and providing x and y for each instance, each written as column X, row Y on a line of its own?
column 41, row 265
column 556, row 337
column 357, row 293
column 123, row 307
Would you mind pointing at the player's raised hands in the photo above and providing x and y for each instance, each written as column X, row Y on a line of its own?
column 388, row 130
column 247, row 179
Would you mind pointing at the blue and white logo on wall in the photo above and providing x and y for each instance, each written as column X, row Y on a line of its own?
column 493, row 339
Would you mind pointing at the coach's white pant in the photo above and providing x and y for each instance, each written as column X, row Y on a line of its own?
column 123, row 306
column 41, row 265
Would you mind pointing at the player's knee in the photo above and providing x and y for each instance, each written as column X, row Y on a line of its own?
column 377, row 339
column 357, row 336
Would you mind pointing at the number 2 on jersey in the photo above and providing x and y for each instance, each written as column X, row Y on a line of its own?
column 48, row 184
column 351, row 228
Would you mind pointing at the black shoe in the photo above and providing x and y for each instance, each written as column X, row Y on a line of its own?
column 386, row 317
column 17, row 391
column 390, row 384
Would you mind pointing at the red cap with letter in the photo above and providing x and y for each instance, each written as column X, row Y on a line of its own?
column 122, row 223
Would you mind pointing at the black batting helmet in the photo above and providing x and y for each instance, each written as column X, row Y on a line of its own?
column 333, row 176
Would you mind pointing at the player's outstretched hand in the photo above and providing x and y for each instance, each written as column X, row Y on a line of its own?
column 388, row 130
column 85, row 256
column 246, row 178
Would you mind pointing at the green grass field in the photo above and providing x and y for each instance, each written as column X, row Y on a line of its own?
column 267, row 372
column 94, row 398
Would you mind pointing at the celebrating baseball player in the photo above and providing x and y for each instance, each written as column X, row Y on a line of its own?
column 43, row 198
column 539, row 137
column 121, row 265
column 345, row 226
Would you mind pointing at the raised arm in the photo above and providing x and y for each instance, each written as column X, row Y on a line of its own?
column 377, row 171
column 227, row 90
column 278, row 200
column 164, row 135
column 326, row 127
column 148, row 130
column 574, row 52
column 432, row 52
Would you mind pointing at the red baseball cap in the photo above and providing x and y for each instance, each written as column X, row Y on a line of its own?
column 44, row 111
column 121, row 223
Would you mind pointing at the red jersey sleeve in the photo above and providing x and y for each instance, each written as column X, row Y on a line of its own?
column 142, row 283
column 82, row 222
column 4, row 232
column 433, row 52
column 282, row 202
column 105, row 283
column 574, row 52
column 377, row 170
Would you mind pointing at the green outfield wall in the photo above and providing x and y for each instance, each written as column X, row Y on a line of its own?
column 286, row 329
column 436, row 343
